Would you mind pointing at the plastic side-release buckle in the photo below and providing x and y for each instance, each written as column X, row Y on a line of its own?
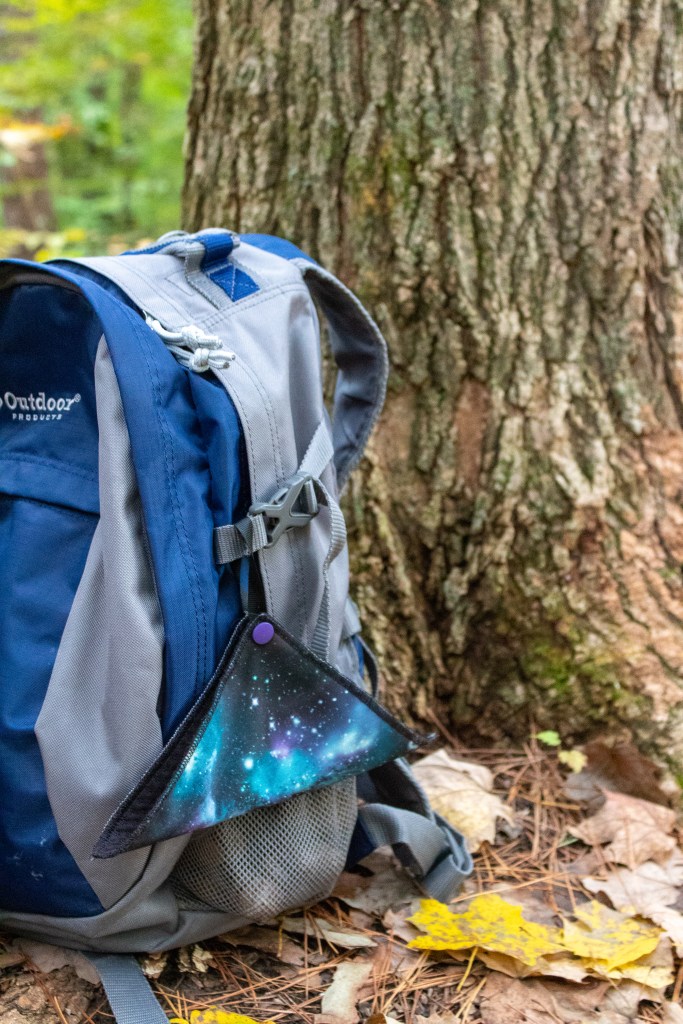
column 294, row 505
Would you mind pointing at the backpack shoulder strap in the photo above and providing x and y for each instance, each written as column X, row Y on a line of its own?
column 360, row 352
column 397, row 813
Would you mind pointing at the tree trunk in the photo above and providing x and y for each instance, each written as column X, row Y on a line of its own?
column 501, row 183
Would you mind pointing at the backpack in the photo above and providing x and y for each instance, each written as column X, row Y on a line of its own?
column 190, row 736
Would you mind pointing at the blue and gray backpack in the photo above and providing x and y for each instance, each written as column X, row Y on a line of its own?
column 190, row 738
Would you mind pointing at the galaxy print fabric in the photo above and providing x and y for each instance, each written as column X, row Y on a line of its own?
column 274, row 721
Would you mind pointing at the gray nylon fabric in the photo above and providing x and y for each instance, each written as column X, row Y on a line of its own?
column 98, row 729
column 435, row 854
column 130, row 997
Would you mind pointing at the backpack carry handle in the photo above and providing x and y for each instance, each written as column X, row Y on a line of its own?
column 360, row 352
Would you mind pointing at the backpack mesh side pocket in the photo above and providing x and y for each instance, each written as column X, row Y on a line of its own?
column 271, row 859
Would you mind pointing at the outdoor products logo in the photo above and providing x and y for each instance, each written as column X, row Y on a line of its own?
column 32, row 408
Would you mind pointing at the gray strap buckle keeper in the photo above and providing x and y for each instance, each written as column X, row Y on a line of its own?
column 292, row 506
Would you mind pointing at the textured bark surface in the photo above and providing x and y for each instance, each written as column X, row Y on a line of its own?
column 501, row 181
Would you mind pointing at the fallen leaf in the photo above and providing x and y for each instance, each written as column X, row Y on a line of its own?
column 558, row 966
column 388, row 887
column 640, row 890
column 622, row 767
column 335, row 935
column 549, row 737
column 574, row 759
column 635, row 830
column 462, row 794
column 154, row 964
column 604, row 936
column 672, row 1013
column 654, row 972
column 672, row 923
column 215, row 1016
column 537, row 1001
column 194, row 959
column 437, row 1018
column 647, row 890
column 47, row 958
column 270, row 941
column 338, row 1004
column 397, row 922
column 488, row 923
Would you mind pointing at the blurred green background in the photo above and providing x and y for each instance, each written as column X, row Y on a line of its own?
column 92, row 118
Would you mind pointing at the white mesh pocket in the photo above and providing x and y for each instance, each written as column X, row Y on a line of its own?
column 270, row 859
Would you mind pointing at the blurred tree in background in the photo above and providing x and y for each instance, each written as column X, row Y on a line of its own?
column 92, row 115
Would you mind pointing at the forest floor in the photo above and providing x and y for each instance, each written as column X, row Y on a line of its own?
column 574, row 915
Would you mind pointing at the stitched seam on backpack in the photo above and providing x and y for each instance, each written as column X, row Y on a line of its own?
column 178, row 516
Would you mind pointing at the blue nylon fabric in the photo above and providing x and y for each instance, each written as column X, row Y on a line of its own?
column 37, row 872
column 217, row 247
column 278, row 246
column 49, row 502
column 47, row 452
column 235, row 282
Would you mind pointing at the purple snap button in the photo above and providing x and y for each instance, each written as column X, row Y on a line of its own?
column 263, row 633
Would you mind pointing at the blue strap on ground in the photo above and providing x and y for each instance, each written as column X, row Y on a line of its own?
column 130, row 996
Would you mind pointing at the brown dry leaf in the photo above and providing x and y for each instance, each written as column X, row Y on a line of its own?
column 195, row 959
column 154, row 964
column 543, row 1002
column 387, row 888
column 635, row 830
column 396, row 922
column 621, row 766
column 538, row 1001
column 437, row 1018
column 338, row 1003
column 276, row 943
column 640, row 890
column 462, row 794
column 672, row 923
column 559, row 966
column 49, row 958
column 336, row 935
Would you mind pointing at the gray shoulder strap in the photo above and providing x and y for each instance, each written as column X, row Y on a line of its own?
column 130, row 997
column 360, row 353
column 397, row 813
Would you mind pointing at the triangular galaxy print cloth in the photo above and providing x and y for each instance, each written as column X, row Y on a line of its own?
column 275, row 720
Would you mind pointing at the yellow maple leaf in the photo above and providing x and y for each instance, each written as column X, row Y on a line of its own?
column 488, row 923
column 608, row 938
column 576, row 760
column 215, row 1016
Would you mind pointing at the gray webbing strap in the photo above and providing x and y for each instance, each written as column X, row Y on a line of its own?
column 431, row 850
column 360, row 353
column 130, row 997
column 320, row 641
column 237, row 540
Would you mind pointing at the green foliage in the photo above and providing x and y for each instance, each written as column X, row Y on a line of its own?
column 115, row 75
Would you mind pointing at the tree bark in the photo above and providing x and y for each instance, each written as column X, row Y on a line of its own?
column 501, row 182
